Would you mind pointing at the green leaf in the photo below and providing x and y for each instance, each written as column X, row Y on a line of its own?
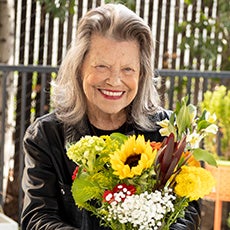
column 204, row 155
column 84, row 189
column 188, row 2
column 119, row 137
column 191, row 110
column 202, row 125
column 71, row 6
column 183, row 120
column 172, row 118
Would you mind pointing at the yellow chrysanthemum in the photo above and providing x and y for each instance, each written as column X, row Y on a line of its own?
column 194, row 182
column 134, row 156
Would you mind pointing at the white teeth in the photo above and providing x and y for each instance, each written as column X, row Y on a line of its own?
column 112, row 94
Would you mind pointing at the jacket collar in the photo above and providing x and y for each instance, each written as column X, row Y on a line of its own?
column 73, row 133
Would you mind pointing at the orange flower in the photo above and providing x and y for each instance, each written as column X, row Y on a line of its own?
column 191, row 161
column 156, row 145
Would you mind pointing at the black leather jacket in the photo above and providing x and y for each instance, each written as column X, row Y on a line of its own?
column 47, row 178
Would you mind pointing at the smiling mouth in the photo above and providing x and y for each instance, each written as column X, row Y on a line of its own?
column 112, row 93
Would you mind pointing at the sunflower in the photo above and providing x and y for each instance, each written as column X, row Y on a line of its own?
column 132, row 158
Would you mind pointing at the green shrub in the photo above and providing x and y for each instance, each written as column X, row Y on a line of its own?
column 218, row 102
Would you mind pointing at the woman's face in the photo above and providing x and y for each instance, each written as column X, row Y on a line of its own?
column 110, row 75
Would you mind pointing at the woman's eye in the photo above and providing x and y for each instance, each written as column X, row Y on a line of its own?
column 101, row 68
column 128, row 70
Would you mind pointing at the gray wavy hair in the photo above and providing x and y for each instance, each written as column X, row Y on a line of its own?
column 120, row 23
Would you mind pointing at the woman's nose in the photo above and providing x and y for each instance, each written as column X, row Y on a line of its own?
column 114, row 78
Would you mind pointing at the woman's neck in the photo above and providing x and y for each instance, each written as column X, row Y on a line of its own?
column 108, row 121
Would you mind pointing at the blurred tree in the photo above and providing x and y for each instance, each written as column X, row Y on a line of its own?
column 207, row 36
column 59, row 8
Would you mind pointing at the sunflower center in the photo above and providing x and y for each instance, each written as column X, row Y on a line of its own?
column 132, row 161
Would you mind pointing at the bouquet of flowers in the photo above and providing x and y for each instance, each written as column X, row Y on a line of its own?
column 132, row 183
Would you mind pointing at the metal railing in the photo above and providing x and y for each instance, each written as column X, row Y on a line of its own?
column 172, row 85
column 23, row 73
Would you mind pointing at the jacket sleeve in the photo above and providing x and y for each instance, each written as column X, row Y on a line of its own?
column 191, row 220
column 40, row 209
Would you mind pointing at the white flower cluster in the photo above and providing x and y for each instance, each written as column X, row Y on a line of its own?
column 118, row 196
column 145, row 211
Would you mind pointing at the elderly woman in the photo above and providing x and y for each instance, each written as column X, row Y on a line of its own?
column 104, row 85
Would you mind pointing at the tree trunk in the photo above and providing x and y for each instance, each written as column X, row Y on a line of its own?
column 7, row 88
column 6, row 30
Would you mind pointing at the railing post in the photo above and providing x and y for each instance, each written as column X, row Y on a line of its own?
column 22, row 132
column 3, row 126
column 43, row 98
